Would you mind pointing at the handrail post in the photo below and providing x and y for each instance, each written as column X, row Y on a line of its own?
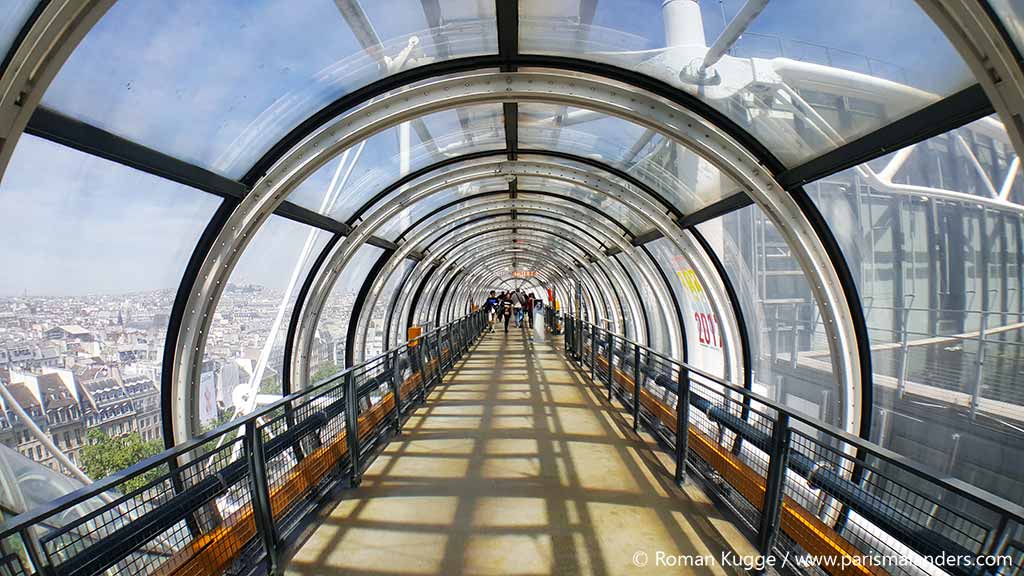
column 423, row 357
column 774, row 484
column 609, row 352
column 593, row 350
column 352, row 426
column 637, row 387
column 36, row 554
column 463, row 340
column 440, row 360
column 682, row 423
column 579, row 339
column 396, row 387
column 262, row 509
column 570, row 347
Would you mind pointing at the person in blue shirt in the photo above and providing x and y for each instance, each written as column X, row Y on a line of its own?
column 491, row 306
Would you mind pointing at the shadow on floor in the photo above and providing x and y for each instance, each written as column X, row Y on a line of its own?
column 516, row 465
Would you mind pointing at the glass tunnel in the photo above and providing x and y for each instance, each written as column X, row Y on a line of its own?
column 773, row 252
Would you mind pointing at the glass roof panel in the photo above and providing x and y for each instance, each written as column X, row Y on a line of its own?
column 1010, row 13
column 527, row 241
column 800, row 78
column 342, row 186
column 676, row 173
column 13, row 16
column 609, row 207
column 218, row 83
column 95, row 254
column 934, row 243
column 400, row 222
column 250, row 326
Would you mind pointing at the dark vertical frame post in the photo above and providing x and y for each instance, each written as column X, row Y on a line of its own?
column 437, row 350
column 774, row 485
column 609, row 352
column 262, row 509
column 396, row 387
column 352, row 426
column 637, row 387
column 682, row 423
column 593, row 350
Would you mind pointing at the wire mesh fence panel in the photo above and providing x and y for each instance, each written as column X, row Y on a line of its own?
column 203, row 507
column 805, row 487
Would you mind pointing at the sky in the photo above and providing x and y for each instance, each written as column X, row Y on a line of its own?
column 216, row 83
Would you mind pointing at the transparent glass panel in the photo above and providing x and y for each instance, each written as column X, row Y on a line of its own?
column 607, row 206
column 702, row 327
column 659, row 325
column 1010, row 13
column 243, row 74
column 792, row 362
column 15, row 13
column 801, row 78
column 383, row 310
column 243, row 363
column 680, row 176
column 936, row 258
column 401, row 222
column 94, row 255
column 342, row 186
column 328, row 355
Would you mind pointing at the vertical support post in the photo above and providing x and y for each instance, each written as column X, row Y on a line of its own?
column 461, row 331
column 609, row 352
column 352, row 426
column 579, row 339
column 682, row 423
column 396, row 387
column 423, row 355
column 260, row 493
column 437, row 350
column 637, row 387
column 593, row 350
column 567, row 341
column 998, row 539
column 775, row 482
column 36, row 554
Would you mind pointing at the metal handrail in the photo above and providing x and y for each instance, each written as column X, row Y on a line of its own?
column 834, row 472
column 429, row 361
column 983, row 497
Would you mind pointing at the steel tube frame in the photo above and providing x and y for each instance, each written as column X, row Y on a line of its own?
column 526, row 205
column 332, row 110
column 497, row 226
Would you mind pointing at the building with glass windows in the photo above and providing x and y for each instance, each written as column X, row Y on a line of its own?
column 767, row 255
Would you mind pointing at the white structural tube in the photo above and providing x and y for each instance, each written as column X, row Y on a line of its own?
column 684, row 24
column 732, row 32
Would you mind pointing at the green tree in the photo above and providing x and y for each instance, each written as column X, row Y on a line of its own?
column 269, row 385
column 103, row 455
column 324, row 372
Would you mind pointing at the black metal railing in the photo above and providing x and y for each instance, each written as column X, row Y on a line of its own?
column 804, row 489
column 230, row 499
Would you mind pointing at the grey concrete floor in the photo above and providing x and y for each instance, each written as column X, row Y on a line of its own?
column 517, row 465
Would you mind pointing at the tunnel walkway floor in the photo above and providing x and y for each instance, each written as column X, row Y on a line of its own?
column 516, row 464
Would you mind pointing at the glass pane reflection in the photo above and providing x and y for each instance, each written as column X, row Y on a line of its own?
column 801, row 85
column 242, row 74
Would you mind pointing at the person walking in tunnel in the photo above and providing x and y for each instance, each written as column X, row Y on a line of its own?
column 530, row 301
column 519, row 304
column 506, row 308
column 491, row 306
